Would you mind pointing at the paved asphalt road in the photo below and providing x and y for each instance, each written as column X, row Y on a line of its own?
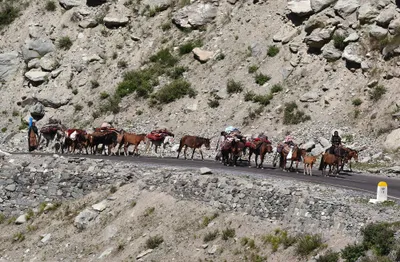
column 351, row 180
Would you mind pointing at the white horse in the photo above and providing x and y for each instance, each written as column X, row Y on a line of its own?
column 162, row 143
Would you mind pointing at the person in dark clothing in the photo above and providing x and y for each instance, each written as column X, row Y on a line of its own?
column 33, row 137
column 336, row 141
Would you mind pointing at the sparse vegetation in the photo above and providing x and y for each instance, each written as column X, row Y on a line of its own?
column 210, row 236
column 174, row 91
column 377, row 92
column 261, row 79
column 139, row 112
column 50, row 6
column 306, row 244
column 263, row 99
column 2, row 218
column 233, row 87
column 272, row 50
column 113, row 189
column 94, row 84
column 379, row 237
column 154, row 242
column 78, row 107
column 15, row 113
column 64, row 43
column 8, row 13
column 187, row 47
column 149, row 211
column 114, row 55
column 280, row 237
column 329, row 256
column 133, row 203
column 29, row 215
column 122, row 64
column 228, row 233
column 276, row 88
column 23, row 125
column 357, row 102
column 75, row 91
column 4, row 129
column 338, row 41
column 293, row 116
column 104, row 95
column 166, row 26
column 253, row 69
column 177, row 72
column 356, row 113
column 143, row 80
column 18, row 237
column 164, row 58
column 110, row 105
column 208, row 219
column 352, row 252
column 11, row 220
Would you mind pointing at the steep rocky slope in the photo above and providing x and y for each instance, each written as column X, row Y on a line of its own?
column 337, row 60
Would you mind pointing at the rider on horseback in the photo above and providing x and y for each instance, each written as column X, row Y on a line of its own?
column 336, row 142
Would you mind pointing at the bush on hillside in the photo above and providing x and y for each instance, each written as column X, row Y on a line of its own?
column 233, row 87
column 174, row 91
column 261, row 79
column 8, row 13
column 187, row 47
column 293, row 116
column 65, row 43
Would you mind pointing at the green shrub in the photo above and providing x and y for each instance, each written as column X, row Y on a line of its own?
column 338, row 41
column 208, row 219
column 166, row 26
column 114, row 55
column 293, row 116
column 186, row 48
column 104, row 95
column 329, row 256
column 279, row 238
column 210, row 236
column 379, row 237
column 177, row 72
column 4, row 129
column 228, row 233
column 357, row 113
column 263, row 99
column 213, row 103
column 253, row 69
column 90, row 103
column 2, row 218
column 174, row 91
column 233, row 87
column 154, row 242
column 272, row 51
column 78, row 107
column 276, row 88
column 122, row 64
column 94, row 84
column 164, row 58
column 64, row 43
column 306, row 244
column 377, row 92
column 357, row 102
column 18, row 237
column 75, row 91
column 352, row 252
column 143, row 80
column 249, row 96
column 110, row 105
column 15, row 113
column 50, row 6
column 8, row 13
column 261, row 78
column 24, row 124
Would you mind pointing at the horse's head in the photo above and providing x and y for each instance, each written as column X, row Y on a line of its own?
column 168, row 140
column 353, row 154
column 207, row 143
column 268, row 147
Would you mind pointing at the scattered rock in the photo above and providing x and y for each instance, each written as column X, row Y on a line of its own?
column 377, row 32
column 346, row 7
column 310, row 96
column 324, row 142
column 353, row 37
column 111, row 21
column 300, row 7
column 319, row 5
column 68, row 4
column 330, row 53
column 205, row 171
column 11, row 187
column 366, row 13
column 48, row 63
column 45, row 238
column 84, row 219
column 37, row 111
column 21, row 220
column 106, row 253
column 37, row 76
column 144, row 253
column 8, row 65
column 213, row 250
column 289, row 37
column 195, row 15
column 394, row 26
column 385, row 17
column 90, row 23
column 202, row 55
column 353, row 53
column 319, row 37
column 37, row 48
column 100, row 206
column 294, row 47
column 391, row 143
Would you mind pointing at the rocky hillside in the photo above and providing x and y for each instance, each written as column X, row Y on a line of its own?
column 306, row 66
column 56, row 208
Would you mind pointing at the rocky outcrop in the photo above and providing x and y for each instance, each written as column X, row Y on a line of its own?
column 37, row 48
column 353, row 53
column 391, row 143
column 68, row 4
column 377, row 32
column 195, row 15
column 310, row 96
column 346, row 7
column 9, row 63
column 367, row 13
column 330, row 53
column 319, row 37
column 53, row 102
column 300, row 7
column 385, row 17
column 37, row 111
column 319, row 5
column 115, row 21
column 202, row 55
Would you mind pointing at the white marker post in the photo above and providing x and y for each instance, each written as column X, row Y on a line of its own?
column 381, row 193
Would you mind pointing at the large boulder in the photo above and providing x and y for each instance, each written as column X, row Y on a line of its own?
column 37, row 48
column 315, row 22
column 37, row 76
column 391, row 143
column 310, row 96
column 300, row 7
column 385, row 17
column 318, row 5
column 346, row 7
column 353, row 53
column 330, row 53
column 394, row 26
column 8, row 65
column 366, row 13
column 202, row 55
column 68, row 4
column 377, row 32
column 37, row 111
column 195, row 15
column 319, row 37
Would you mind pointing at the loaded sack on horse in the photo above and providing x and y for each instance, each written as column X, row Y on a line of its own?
column 159, row 134
column 233, row 146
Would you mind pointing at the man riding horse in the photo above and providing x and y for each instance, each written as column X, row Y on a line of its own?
column 336, row 142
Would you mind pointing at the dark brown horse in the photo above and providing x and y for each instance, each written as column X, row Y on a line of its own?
column 232, row 150
column 260, row 150
column 332, row 161
column 193, row 142
column 351, row 154
column 297, row 154
column 106, row 138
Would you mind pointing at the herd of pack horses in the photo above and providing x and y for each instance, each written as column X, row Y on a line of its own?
column 233, row 151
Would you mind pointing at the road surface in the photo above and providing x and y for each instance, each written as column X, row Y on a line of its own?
column 350, row 180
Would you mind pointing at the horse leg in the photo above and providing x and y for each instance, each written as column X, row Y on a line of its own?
column 250, row 153
column 194, row 149
column 184, row 151
column 201, row 153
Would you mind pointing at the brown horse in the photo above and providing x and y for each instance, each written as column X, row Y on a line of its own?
column 133, row 139
column 193, row 142
column 351, row 153
column 260, row 150
column 232, row 150
column 332, row 161
column 297, row 154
